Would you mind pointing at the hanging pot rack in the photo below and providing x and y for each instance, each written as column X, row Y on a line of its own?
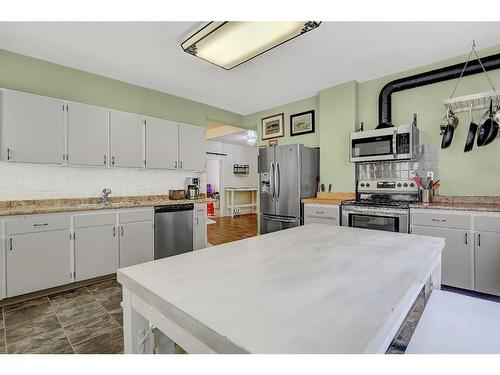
column 474, row 101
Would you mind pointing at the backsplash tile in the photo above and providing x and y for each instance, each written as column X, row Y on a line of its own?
column 427, row 160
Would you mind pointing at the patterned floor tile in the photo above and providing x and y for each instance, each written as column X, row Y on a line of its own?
column 91, row 328
column 108, row 343
column 65, row 300
column 25, row 311
column 118, row 316
column 80, row 313
column 34, row 327
column 49, row 342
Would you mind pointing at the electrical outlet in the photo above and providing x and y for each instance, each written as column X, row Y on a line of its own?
column 430, row 174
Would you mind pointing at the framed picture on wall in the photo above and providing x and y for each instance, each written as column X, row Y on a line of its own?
column 302, row 123
column 272, row 126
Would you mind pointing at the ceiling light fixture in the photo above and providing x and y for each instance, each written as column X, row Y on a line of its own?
column 230, row 43
column 251, row 137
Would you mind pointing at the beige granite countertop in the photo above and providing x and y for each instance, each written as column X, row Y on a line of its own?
column 465, row 203
column 44, row 206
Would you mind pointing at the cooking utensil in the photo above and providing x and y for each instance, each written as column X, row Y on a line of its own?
column 451, row 123
column 330, row 188
column 488, row 130
column 471, row 135
column 434, row 184
column 322, row 187
column 418, row 183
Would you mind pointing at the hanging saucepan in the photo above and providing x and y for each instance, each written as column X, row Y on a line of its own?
column 451, row 122
column 488, row 127
column 471, row 135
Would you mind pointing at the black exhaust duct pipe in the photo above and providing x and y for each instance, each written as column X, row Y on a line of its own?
column 434, row 76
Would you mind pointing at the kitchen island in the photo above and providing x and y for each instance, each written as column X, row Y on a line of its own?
column 310, row 289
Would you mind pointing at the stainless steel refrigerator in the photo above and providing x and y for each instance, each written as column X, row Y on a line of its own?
column 287, row 174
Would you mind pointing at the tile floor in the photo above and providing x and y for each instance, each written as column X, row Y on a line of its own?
column 83, row 320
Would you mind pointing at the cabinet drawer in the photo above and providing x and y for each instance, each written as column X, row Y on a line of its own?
column 132, row 216
column 487, row 223
column 37, row 223
column 93, row 219
column 438, row 219
column 315, row 213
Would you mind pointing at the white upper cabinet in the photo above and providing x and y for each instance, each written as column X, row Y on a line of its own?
column 161, row 144
column 32, row 128
column 192, row 148
column 87, row 134
column 126, row 139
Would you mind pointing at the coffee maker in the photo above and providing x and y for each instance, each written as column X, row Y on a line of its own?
column 192, row 188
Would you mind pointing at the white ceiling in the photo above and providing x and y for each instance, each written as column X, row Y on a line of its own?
column 149, row 54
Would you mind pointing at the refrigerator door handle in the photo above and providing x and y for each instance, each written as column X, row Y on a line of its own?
column 280, row 220
column 271, row 179
column 278, row 179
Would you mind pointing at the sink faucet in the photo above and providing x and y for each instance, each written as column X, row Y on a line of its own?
column 104, row 196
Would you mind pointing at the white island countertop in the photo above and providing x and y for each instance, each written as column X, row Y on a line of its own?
column 311, row 289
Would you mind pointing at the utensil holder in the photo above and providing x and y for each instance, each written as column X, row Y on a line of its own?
column 426, row 196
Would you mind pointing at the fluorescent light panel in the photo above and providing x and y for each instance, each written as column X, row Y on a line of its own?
column 229, row 44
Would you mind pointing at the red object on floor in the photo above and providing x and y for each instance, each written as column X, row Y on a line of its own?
column 210, row 209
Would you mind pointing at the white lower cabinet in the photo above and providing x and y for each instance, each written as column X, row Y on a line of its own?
column 44, row 251
column 96, row 251
column 487, row 262
column 200, row 226
column 37, row 261
column 471, row 257
column 458, row 255
column 136, row 243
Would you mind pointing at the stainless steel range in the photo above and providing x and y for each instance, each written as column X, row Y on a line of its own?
column 381, row 205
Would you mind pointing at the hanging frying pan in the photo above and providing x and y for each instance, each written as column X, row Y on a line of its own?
column 451, row 123
column 471, row 135
column 488, row 129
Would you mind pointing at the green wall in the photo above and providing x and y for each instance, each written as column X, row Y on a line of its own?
column 341, row 109
column 23, row 73
column 312, row 140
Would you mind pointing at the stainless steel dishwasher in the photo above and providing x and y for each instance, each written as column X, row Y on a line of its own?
column 173, row 230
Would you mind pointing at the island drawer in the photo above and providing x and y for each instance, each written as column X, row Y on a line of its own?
column 94, row 219
column 444, row 219
column 133, row 216
column 37, row 223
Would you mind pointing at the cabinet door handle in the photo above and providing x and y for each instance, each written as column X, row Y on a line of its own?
column 439, row 221
column 197, row 221
column 104, row 159
column 41, row 225
column 479, row 239
column 8, row 154
column 10, row 244
column 175, row 163
column 465, row 239
column 114, row 231
column 122, row 230
column 113, row 160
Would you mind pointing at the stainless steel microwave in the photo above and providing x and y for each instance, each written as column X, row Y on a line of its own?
column 396, row 143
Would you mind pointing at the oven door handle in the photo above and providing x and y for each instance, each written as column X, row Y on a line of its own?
column 280, row 220
column 394, row 144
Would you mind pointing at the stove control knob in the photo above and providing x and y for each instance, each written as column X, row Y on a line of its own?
column 399, row 184
column 362, row 185
column 405, row 185
column 411, row 184
column 367, row 184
